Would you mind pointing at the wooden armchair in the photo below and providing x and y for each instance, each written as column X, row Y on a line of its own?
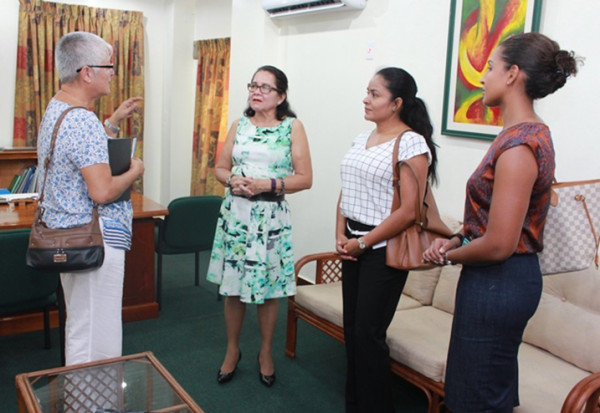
column 584, row 397
column 328, row 270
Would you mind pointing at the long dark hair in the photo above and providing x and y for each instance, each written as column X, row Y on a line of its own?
column 281, row 83
column 414, row 112
column 546, row 65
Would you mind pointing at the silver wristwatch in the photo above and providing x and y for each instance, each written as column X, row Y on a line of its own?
column 114, row 129
column 361, row 243
column 446, row 260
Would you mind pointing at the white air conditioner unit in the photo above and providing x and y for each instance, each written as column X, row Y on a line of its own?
column 287, row 8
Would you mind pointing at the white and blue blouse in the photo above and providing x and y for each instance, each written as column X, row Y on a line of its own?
column 81, row 142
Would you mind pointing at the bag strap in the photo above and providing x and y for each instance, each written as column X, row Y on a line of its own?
column 581, row 198
column 48, row 159
column 420, row 204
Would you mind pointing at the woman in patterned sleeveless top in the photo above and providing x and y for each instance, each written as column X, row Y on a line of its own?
column 507, row 201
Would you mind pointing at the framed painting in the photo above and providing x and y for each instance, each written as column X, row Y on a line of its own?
column 476, row 28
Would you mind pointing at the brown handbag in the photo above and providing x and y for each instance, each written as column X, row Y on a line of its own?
column 405, row 250
column 63, row 249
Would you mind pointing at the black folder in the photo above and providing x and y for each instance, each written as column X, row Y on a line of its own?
column 119, row 159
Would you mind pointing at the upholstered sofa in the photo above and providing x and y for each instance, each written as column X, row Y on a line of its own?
column 561, row 343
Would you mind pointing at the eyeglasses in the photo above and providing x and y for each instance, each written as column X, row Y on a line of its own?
column 264, row 88
column 99, row 66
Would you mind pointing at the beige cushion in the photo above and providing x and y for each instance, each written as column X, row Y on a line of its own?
column 420, row 285
column 544, row 380
column 418, row 338
column 567, row 321
column 445, row 291
column 406, row 302
column 324, row 300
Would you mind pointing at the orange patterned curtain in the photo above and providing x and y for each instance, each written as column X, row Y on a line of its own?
column 210, row 117
column 41, row 25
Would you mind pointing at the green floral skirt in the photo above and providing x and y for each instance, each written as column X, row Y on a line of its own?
column 252, row 253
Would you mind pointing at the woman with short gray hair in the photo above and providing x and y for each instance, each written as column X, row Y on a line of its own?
column 79, row 178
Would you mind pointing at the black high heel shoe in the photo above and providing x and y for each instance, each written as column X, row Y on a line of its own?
column 263, row 378
column 225, row 377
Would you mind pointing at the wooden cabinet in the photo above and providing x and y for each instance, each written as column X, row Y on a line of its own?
column 13, row 162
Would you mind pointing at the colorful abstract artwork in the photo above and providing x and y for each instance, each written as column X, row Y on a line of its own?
column 476, row 28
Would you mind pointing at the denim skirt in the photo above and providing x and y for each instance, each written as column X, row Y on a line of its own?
column 493, row 305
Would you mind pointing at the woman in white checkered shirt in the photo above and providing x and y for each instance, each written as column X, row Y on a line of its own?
column 371, row 289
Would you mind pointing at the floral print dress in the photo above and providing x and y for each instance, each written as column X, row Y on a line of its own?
column 252, row 253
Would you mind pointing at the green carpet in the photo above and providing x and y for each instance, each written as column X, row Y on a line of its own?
column 189, row 340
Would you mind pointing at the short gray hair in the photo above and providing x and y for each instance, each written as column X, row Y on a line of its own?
column 77, row 49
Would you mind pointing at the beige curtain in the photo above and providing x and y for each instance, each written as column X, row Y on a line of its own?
column 210, row 118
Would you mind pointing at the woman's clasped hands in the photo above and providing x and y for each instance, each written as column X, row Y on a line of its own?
column 348, row 248
column 243, row 186
column 436, row 253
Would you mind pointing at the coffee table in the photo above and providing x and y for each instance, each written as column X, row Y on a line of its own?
column 129, row 384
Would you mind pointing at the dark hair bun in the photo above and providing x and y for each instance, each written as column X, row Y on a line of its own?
column 541, row 58
column 566, row 66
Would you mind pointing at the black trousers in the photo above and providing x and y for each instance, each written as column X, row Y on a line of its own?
column 371, row 291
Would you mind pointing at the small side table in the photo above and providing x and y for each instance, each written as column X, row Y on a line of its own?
column 134, row 383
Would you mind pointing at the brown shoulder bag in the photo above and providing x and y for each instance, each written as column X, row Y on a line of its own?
column 405, row 250
column 63, row 249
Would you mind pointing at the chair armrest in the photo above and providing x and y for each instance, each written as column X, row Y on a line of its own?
column 328, row 267
column 585, row 394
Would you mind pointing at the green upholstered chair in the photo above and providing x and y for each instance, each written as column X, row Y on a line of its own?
column 188, row 228
column 23, row 289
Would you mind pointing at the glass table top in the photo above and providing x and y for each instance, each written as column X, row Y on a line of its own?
column 129, row 384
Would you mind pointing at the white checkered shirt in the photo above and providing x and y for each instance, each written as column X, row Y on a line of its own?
column 367, row 174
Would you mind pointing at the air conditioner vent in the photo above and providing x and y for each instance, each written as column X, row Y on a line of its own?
column 307, row 6
column 286, row 8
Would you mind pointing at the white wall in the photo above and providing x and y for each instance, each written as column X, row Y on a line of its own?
column 212, row 19
column 178, row 103
column 324, row 58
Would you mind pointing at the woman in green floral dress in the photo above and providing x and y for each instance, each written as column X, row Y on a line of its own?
column 265, row 156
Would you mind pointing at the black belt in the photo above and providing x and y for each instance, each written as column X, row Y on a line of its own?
column 267, row 196
column 358, row 226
